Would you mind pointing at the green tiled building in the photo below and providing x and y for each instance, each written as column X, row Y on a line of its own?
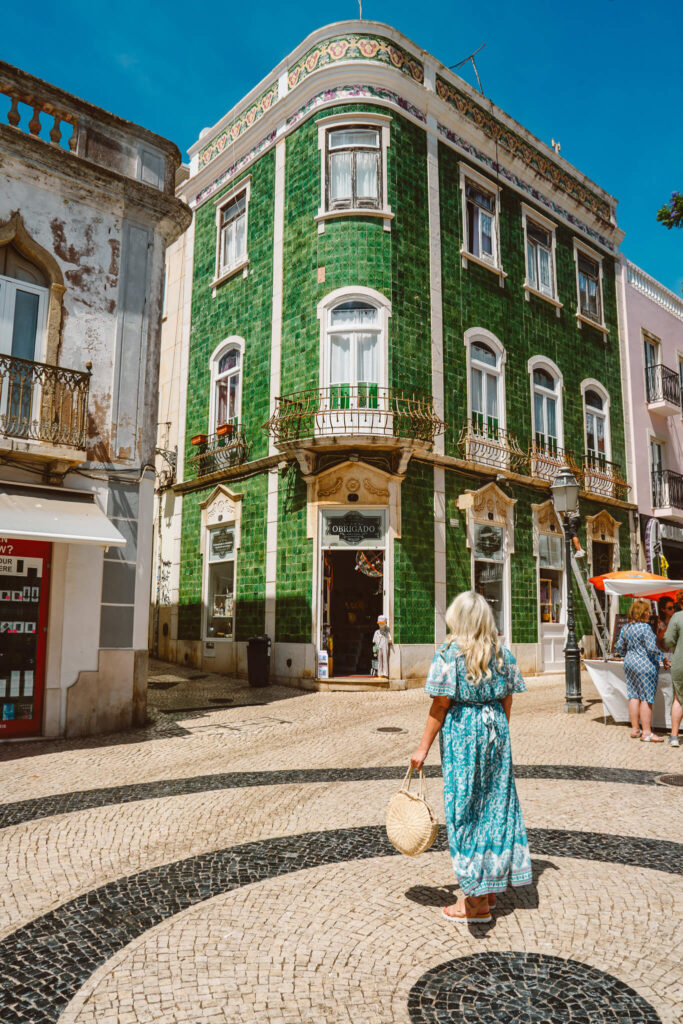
column 392, row 322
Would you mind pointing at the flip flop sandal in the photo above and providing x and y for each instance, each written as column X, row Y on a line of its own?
column 466, row 918
column 636, row 735
column 651, row 738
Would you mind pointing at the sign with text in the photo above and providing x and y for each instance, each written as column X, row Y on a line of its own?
column 354, row 529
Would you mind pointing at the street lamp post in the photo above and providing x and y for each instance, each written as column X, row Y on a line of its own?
column 565, row 492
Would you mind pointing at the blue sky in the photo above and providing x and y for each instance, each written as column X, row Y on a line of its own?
column 602, row 76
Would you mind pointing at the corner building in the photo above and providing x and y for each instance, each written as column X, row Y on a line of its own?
column 402, row 323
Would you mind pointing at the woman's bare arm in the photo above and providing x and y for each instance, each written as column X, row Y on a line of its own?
column 437, row 713
column 507, row 705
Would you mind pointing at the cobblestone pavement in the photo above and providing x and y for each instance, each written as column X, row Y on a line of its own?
column 228, row 864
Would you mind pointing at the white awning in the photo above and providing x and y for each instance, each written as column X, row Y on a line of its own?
column 641, row 588
column 68, row 517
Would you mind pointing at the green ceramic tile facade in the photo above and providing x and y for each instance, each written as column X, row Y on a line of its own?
column 414, row 559
column 294, row 561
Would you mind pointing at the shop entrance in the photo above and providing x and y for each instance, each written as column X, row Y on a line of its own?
column 24, row 579
column 353, row 597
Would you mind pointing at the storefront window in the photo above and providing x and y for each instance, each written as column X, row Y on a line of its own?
column 551, row 566
column 220, row 605
column 489, row 566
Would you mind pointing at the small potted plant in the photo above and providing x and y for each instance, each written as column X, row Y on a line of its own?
column 198, row 439
column 224, row 430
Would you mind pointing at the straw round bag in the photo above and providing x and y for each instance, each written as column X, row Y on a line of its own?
column 411, row 825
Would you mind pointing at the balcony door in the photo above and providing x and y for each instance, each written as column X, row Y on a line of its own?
column 353, row 401
column 23, row 318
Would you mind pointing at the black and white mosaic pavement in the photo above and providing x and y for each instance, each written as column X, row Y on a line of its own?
column 65, row 803
column 524, row 988
column 44, row 963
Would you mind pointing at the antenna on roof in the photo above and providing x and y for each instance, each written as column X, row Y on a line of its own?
column 454, row 67
column 360, row 9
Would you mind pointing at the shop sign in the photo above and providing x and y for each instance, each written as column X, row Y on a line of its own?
column 222, row 543
column 353, row 529
column 488, row 542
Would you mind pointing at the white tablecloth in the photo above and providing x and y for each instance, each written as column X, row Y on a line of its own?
column 610, row 682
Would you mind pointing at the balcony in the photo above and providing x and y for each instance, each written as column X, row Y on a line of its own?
column 663, row 389
column 43, row 409
column 667, row 493
column 217, row 452
column 599, row 477
column 484, row 443
column 358, row 414
column 546, row 459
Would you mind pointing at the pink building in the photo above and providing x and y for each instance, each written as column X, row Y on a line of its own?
column 652, row 338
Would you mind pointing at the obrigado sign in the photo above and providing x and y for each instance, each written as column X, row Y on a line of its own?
column 354, row 528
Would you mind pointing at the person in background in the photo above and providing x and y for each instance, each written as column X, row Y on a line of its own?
column 637, row 645
column 471, row 680
column 573, row 524
column 665, row 609
column 678, row 601
column 673, row 640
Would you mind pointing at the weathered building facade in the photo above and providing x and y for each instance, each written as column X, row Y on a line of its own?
column 652, row 325
column 398, row 320
column 87, row 208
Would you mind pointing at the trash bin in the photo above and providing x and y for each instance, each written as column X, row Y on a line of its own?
column 258, row 660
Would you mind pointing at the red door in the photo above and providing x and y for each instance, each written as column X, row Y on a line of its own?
column 24, row 592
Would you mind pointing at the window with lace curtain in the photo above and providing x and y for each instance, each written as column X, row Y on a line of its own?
column 354, row 168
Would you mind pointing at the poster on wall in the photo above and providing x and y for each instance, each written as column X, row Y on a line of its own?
column 24, row 579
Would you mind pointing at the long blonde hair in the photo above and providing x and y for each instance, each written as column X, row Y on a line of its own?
column 473, row 628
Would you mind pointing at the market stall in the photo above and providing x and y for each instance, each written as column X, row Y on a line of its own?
column 607, row 674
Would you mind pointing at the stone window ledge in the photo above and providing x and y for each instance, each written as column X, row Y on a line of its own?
column 324, row 215
column 467, row 257
column 580, row 319
column 225, row 275
column 530, row 290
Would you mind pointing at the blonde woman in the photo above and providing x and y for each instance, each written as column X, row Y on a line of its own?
column 637, row 645
column 471, row 680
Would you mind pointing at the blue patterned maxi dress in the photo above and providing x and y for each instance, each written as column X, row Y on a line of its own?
column 486, row 833
column 637, row 645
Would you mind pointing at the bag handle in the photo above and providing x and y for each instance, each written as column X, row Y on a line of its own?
column 405, row 786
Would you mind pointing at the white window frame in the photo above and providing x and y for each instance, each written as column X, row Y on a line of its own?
column 335, row 298
column 543, row 363
column 473, row 335
column 652, row 438
column 221, row 273
column 233, row 525
column 528, row 213
column 591, row 254
column 590, row 384
column 233, row 341
column 496, row 266
column 382, row 124
column 8, row 291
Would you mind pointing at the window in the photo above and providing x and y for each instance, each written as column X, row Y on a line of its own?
column 596, row 426
column 231, row 227
column 481, row 212
column 489, row 567
column 354, row 337
column 651, row 356
column 589, row 286
column 220, row 611
column 23, row 306
column 353, row 169
column 551, row 566
column 354, row 166
column 659, row 489
column 539, row 258
column 546, row 429
column 226, row 396
column 485, row 387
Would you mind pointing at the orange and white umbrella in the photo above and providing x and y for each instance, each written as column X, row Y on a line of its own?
column 636, row 583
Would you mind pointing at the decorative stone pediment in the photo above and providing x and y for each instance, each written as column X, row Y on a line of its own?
column 491, row 505
column 223, row 506
column 545, row 520
column 603, row 528
column 354, row 484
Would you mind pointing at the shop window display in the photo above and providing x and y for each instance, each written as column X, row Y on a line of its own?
column 489, row 565
column 220, row 623
column 551, row 565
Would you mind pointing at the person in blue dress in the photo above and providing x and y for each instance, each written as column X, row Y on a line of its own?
column 637, row 645
column 471, row 680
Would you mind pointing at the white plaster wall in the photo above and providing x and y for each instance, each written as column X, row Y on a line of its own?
column 80, row 614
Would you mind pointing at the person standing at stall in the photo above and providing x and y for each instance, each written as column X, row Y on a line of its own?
column 637, row 645
column 673, row 640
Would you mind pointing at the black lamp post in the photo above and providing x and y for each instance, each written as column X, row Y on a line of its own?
column 565, row 492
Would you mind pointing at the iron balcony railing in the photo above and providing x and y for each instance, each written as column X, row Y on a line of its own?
column 485, row 443
column 667, row 489
column 546, row 458
column 662, row 384
column 353, row 409
column 599, row 476
column 40, row 402
column 219, row 451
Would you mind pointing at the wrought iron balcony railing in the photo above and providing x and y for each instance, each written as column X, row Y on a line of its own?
column 344, row 410
column 483, row 442
column 667, row 489
column 215, row 452
column 40, row 402
column 546, row 458
column 598, row 476
column 662, row 385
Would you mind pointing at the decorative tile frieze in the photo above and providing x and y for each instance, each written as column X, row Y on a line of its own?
column 519, row 147
column 245, row 119
column 355, row 47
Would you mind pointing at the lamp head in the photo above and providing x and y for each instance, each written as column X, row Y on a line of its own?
column 565, row 492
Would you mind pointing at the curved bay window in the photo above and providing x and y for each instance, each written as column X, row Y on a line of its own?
column 220, row 589
column 354, row 168
column 227, row 369
column 355, row 342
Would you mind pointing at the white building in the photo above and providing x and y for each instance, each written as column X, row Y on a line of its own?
column 87, row 208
